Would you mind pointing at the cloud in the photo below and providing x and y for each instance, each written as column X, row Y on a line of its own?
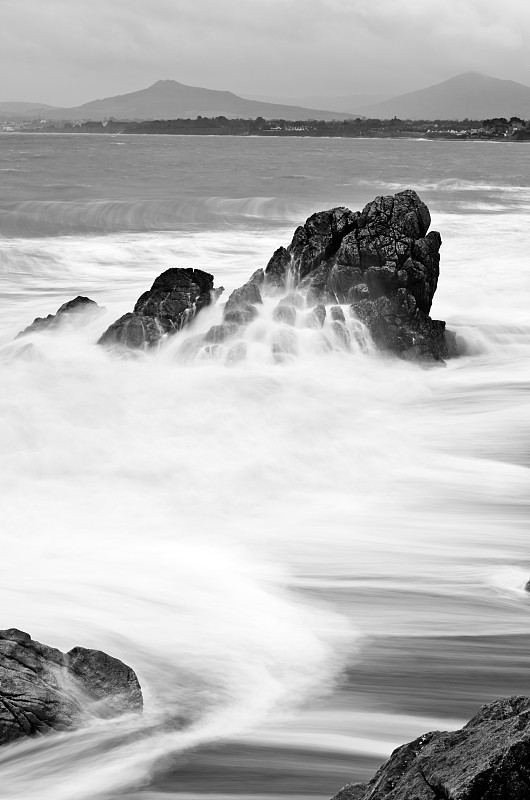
column 70, row 51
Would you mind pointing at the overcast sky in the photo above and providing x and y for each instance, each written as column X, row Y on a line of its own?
column 66, row 52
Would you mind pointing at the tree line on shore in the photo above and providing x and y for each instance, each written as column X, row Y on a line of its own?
column 495, row 127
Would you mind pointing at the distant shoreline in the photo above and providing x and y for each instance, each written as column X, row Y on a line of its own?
column 276, row 135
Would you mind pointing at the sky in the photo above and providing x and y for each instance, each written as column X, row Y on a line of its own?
column 67, row 52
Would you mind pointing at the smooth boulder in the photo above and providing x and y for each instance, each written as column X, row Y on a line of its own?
column 44, row 690
column 488, row 759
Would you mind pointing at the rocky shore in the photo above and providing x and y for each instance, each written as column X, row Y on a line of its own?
column 488, row 759
column 44, row 690
column 377, row 268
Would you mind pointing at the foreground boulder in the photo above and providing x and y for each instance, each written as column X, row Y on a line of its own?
column 174, row 299
column 76, row 310
column 43, row 689
column 489, row 759
column 381, row 261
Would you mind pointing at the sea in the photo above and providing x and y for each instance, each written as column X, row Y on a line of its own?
column 307, row 563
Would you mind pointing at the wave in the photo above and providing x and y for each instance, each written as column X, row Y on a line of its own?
column 62, row 217
column 450, row 185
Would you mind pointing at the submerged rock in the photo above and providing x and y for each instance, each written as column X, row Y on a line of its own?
column 382, row 261
column 77, row 310
column 174, row 299
column 43, row 689
column 488, row 759
column 316, row 317
column 284, row 313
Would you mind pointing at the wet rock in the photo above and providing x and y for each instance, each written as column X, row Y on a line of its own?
column 382, row 260
column 241, row 305
column 352, row 791
column 249, row 294
column 44, row 690
column 337, row 314
column 78, row 310
column 342, row 334
column 175, row 298
column 285, row 314
column 134, row 330
column 488, row 759
column 219, row 333
column 293, row 299
column 316, row 317
column 241, row 316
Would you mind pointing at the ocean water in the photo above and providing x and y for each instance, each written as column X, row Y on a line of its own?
column 306, row 563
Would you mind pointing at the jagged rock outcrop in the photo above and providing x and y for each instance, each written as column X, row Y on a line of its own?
column 80, row 308
column 382, row 261
column 174, row 299
column 43, row 689
column 488, row 759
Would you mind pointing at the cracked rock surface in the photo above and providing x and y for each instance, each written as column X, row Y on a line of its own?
column 488, row 759
column 44, row 690
column 174, row 299
column 382, row 261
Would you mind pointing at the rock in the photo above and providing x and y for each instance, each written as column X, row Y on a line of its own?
column 241, row 316
column 337, row 314
column 241, row 305
column 488, row 759
column 293, row 299
column 342, row 334
column 316, row 317
column 382, row 261
column 248, row 294
column 43, row 689
column 352, row 791
column 285, row 314
column 79, row 309
column 219, row 333
column 175, row 298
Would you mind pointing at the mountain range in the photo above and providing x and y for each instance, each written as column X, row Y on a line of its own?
column 169, row 99
column 470, row 95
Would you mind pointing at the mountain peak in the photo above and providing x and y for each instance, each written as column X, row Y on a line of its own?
column 471, row 95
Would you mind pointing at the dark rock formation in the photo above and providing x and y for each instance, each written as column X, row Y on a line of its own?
column 241, row 305
column 43, row 689
column 337, row 314
column 489, row 759
column 73, row 311
column 176, row 296
column 382, row 261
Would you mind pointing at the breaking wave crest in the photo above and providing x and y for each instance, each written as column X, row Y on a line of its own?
column 65, row 217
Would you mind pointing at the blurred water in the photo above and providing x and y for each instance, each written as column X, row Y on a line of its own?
column 306, row 564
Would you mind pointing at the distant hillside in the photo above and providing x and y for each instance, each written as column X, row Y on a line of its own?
column 469, row 95
column 173, row 100
column 16, row 109
column 346, row 103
